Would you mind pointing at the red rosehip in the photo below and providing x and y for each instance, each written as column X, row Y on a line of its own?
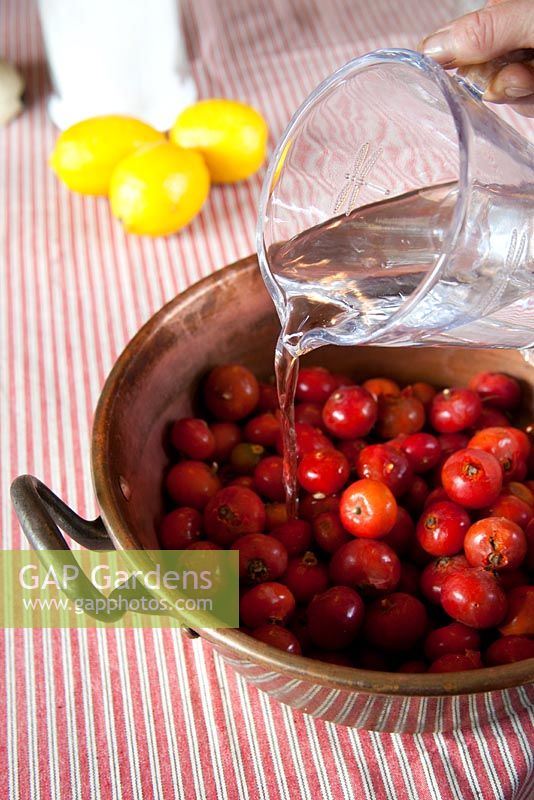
column 308, row 438
column 436, row 573
column 451, row 638
column 192, row 483
column 491, row 418
column 441, row 529
column 457, row 662
column 381, row 462
column 423, row 451
column 342, row 379
column 472, row 478
column 261, row 557
column 413, row 667
column 226, row 435
column 451, row 442
column 510, row 446
column 269, row 479
column 310, row 414
column 242, row 480
column 367, row 565
column 454, row 410
column 265, row 603
column 305, row 576
column 275, row 514
column 502, row 391
column 368, row 509
column 268, row 399
column 509, row 579
column 233, row 512
column 263, row 429
column 231, row 392
column 193, row 438
column 424, row 392
column 512, row 508
column 474, row 598
column 520, row 490
column 335, row 617
column 436, row 496
column 519, row 619
column 351, row 449
column 180, row 528
column 276, row 636
column 329, row 533
column 380, row 386
column 295, row 535
column 529, row 537
column 509, row 649
column 203, row 545
column 398, row 415
column 314, row 385
column 495, row 543
column 310, row 506
column 350, row 412
column 395, row 622
column 323, row 471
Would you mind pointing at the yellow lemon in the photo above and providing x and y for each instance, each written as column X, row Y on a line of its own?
column 86, row 154
column 231, row 136
column 159, row 189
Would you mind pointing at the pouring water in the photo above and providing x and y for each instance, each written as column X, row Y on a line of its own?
column 397, row 210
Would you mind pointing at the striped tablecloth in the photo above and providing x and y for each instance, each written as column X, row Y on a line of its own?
column 147, row 714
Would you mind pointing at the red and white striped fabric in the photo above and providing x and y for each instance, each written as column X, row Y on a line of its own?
column 145, row 714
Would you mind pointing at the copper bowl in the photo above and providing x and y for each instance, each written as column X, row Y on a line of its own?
column 229, row 317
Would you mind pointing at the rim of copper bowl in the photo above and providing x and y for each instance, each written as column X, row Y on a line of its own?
column 241, row 644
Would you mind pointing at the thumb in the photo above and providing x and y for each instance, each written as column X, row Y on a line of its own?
column 483, row 35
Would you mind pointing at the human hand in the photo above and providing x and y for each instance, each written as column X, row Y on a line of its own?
column 500, row 29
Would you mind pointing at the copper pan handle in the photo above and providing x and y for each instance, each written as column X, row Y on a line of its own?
column 41, row 515
column 40, row 512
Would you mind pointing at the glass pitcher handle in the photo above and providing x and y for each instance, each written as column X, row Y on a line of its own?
column 476, row 78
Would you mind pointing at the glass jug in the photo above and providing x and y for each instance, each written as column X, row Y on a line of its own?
column 398, row 209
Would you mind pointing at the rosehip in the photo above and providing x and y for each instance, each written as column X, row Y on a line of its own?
column 472, row 478
column 368, row 509
column 350, row 412
column 231, row 392
column 395, row 622
column 334, row 617
column 474, row 597
column 233, row 512
column 454, row 410
column 495, row 543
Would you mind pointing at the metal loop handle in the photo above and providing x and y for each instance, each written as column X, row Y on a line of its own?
column 41, row 513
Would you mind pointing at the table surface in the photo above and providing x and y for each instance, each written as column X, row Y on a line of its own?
column 148, row 714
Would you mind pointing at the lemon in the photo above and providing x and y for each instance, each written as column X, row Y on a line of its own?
column 159, row 189
column 86, row 154
column 231, row 136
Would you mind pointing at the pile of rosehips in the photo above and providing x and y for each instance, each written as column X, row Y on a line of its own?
column 414, row 546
